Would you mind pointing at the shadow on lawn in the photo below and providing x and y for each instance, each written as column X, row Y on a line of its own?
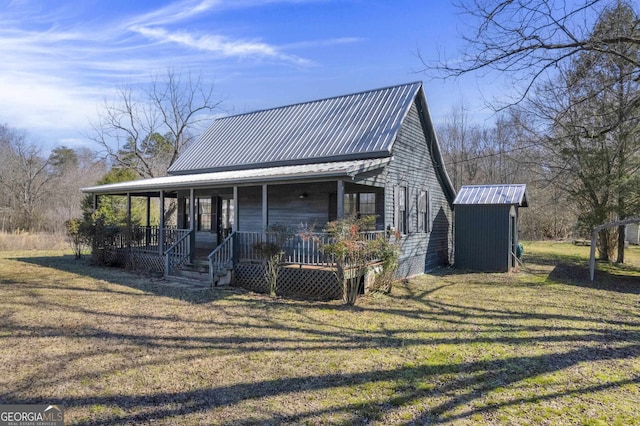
column 462, row 383
column 119, row 276
column 446, row 390
column 613, row 278
column 574, row 270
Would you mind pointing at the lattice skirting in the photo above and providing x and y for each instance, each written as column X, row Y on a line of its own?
column 317, row 284
column 146, row 262
column 151, row 263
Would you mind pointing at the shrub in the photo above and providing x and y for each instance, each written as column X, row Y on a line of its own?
column 272, row 253
column 353, row 252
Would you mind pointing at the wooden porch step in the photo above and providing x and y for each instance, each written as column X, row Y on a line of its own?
column 195, row 283
column 193, row 273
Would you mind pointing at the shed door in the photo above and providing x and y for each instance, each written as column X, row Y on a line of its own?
column 513, row 236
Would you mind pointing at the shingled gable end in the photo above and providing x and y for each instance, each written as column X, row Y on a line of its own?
column 372, row 152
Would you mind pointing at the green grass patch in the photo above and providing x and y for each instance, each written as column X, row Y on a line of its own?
column 543, row 345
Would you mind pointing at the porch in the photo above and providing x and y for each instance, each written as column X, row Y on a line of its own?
column 213, row 222
column 306, row 269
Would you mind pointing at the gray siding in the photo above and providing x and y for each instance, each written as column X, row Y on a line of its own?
column 250, row 209
column 482, row 237
column 284, row 206
column 413, row 166
column 311, row 212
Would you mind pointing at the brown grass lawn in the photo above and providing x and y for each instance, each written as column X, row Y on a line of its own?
column 540, row 346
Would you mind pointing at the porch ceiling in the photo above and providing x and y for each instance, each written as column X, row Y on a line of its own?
column 243, row 177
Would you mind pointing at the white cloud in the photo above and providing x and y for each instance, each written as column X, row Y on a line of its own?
column 174, row 12
column 322, row 43
column 220, row 44
column 57, row 67
column 34, row 102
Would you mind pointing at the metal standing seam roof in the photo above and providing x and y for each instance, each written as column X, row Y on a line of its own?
column 356, row 126
column 493, row 194
column 225, row 178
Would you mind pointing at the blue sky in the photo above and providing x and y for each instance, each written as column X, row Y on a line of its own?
column 62, row 59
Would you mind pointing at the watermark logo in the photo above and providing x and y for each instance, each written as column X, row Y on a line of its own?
column 31, row 415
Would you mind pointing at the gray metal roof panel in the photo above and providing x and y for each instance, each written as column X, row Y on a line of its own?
column 249, row 176
column 359, row 125
column 493, row 194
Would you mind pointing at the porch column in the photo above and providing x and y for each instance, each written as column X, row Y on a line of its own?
column 148, row 211
column 147, row 231
column 128, row 220
column 340, row 200
column 192, row 224
column 265, row 208
column 235, row 209
column 128, row 210
column 161, row 225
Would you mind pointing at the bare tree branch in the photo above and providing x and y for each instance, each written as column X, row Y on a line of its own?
column 147, row 133
column 525, row 39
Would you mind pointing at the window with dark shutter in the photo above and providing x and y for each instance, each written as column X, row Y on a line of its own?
column 401, row 208
column 423, row 211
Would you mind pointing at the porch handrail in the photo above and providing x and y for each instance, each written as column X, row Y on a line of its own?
column 182, row 249
column 222, row 256
column 298, row 249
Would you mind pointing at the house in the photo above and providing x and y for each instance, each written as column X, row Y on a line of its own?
column 632, row 233
column 486, row 226
column 368, row 153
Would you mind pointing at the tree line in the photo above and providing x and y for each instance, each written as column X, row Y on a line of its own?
column 39, row 191
column 139, row 134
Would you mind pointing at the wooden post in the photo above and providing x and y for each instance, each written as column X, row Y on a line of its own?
column 235, row 209
column 265, row 209
column 128, row 210
column 161, row 225
column 340, row 200
column 128, row 220
column 592, row 256
column 148, row 211
column 147, row 232
column 192, row 224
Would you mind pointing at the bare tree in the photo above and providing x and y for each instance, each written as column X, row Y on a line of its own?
column 592, row 122
column 462, row 144
column 24, row 176
column 72, row 169
column 146, row 130
column 524, row 39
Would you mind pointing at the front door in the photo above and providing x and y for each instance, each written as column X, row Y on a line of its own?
column 225, row 217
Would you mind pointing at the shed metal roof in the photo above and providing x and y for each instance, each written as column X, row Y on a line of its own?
column 242, row 177
column 356, row 126
column 493, row 195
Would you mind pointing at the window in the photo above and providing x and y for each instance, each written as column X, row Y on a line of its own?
column 204, row 214
column 360, row 204
column 226, row 214
column 367, row 205
column 424, row 224
column 401, row 209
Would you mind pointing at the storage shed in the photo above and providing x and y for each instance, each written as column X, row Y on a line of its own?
column 486, row 226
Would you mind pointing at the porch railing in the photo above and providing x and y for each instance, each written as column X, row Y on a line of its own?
column 179, row 252
column 146, row 237
column 303, row 250
column 221, row 259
